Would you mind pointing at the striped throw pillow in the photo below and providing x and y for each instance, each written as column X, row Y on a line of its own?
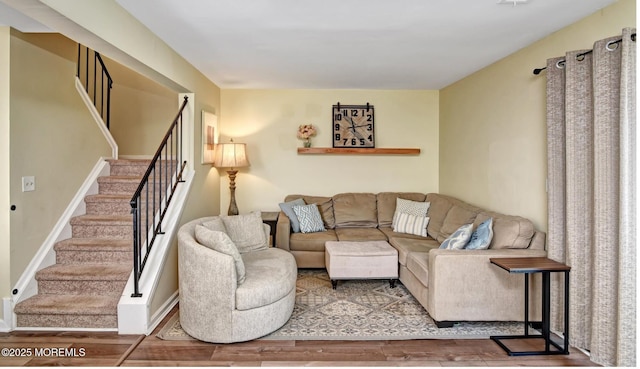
column 416, row 208
column 411, row 224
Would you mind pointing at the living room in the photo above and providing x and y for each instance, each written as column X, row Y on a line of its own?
column 482, row 138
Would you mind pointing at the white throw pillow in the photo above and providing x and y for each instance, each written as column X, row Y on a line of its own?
column 458, row 239
column 411, row 224
column 416, row 208
column 309, row 218
column 220, row 241
column 246, row 231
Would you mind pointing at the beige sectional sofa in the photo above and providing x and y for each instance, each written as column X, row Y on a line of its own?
column 452, row 285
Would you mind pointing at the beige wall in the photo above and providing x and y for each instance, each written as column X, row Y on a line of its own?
column 141, row 111
column 493, row 122
column 53, row 137
column 267, row 121
column 5, row 164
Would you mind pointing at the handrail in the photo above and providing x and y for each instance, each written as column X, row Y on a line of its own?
column 90, row 86
column 160, row 181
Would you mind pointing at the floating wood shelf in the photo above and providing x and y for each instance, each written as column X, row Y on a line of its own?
column 356, row 151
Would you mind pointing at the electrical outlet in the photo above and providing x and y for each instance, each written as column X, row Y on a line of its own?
column 28, row 183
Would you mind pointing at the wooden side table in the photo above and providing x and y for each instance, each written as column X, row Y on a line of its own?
column 530, row 265
column 271, row 218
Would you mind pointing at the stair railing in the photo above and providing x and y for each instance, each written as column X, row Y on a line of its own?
column 89, row 64
column 151, row 200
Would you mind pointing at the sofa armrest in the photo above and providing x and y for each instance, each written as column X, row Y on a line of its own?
column 283, row 231
column 465, row 283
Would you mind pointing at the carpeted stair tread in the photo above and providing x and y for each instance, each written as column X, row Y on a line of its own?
column 119, row 179
column 93, row 219
column 107, row 197
column 85, row 272
column 69, row 305
column 93, row 244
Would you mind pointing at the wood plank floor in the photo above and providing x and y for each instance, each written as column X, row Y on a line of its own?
column 111, row 349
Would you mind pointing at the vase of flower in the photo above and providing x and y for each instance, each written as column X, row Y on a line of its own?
column 305, row 132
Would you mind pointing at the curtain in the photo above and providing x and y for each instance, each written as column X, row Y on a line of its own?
column 591, row 151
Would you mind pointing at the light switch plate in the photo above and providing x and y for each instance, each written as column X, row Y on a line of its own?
column 28, row 183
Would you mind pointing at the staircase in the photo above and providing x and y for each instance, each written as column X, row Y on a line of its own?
column 83, row 288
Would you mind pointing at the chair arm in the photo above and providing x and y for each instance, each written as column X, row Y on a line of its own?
column 464, row 283
column 208, row 283
column 283, row 231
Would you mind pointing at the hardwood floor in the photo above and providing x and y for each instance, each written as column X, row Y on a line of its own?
column 111, row 349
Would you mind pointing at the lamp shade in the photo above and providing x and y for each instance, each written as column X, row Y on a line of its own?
column 231, row 155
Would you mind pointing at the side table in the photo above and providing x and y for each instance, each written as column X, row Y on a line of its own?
column 546, row 266
column 271, row 218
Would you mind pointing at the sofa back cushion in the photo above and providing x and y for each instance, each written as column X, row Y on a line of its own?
column 325, row 206
column 438, row 210
column 387, row 205
column 460, row 214
column 355, row 210
column 509, row 232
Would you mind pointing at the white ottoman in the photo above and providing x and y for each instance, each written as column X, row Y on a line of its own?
column 361, row 260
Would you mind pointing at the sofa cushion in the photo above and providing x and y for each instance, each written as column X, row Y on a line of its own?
column 360, row 234
column 246, row 231
column 287, row 208
column 220, row 242
column 438, row 210
column 386, row 202
column 309, row 218
column 509, row 232
column 269, row 278
column 459, row 239
column 405, row 246
column 355, row 210
column 411, row 224
column 418, row 264
column 390, row 233
column 325, row 205
column 311, row 241
column 458, row 215
column 481, row 237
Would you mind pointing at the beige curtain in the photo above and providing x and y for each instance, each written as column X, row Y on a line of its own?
column 591, row 150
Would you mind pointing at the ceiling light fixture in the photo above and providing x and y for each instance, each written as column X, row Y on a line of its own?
column 512, row 2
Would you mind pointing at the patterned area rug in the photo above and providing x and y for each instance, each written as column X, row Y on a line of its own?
column 360, row 310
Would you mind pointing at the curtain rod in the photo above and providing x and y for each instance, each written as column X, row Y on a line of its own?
column 581, row 55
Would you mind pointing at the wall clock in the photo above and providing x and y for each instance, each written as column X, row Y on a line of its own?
column 353, row 126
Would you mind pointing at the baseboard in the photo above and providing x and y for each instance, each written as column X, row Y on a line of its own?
column 6, row 324
column 156, row 319
column 26, row 286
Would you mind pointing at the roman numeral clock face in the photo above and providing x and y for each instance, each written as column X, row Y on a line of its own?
column 353, row 126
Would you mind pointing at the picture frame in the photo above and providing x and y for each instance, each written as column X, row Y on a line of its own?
column 210, row 136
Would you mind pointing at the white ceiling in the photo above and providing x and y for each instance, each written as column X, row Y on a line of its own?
column 344, row 44
column 359, row 44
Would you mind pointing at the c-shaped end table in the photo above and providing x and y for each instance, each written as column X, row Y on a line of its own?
column 530, row 265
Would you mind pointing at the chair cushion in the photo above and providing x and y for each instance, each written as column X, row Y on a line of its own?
column 269, row 278
column 246, row 231
column 355, row 210
column 220, row 241
column 386, row 202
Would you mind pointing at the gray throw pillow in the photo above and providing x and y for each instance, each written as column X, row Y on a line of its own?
column 287, row 208
column 220, row 242
column 246, row 231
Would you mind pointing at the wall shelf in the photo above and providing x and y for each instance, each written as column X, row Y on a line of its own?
column 356, row 151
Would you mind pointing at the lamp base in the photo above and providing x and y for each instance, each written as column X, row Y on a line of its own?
column 233, row 208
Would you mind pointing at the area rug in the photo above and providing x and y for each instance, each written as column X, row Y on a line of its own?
column 360, row 310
